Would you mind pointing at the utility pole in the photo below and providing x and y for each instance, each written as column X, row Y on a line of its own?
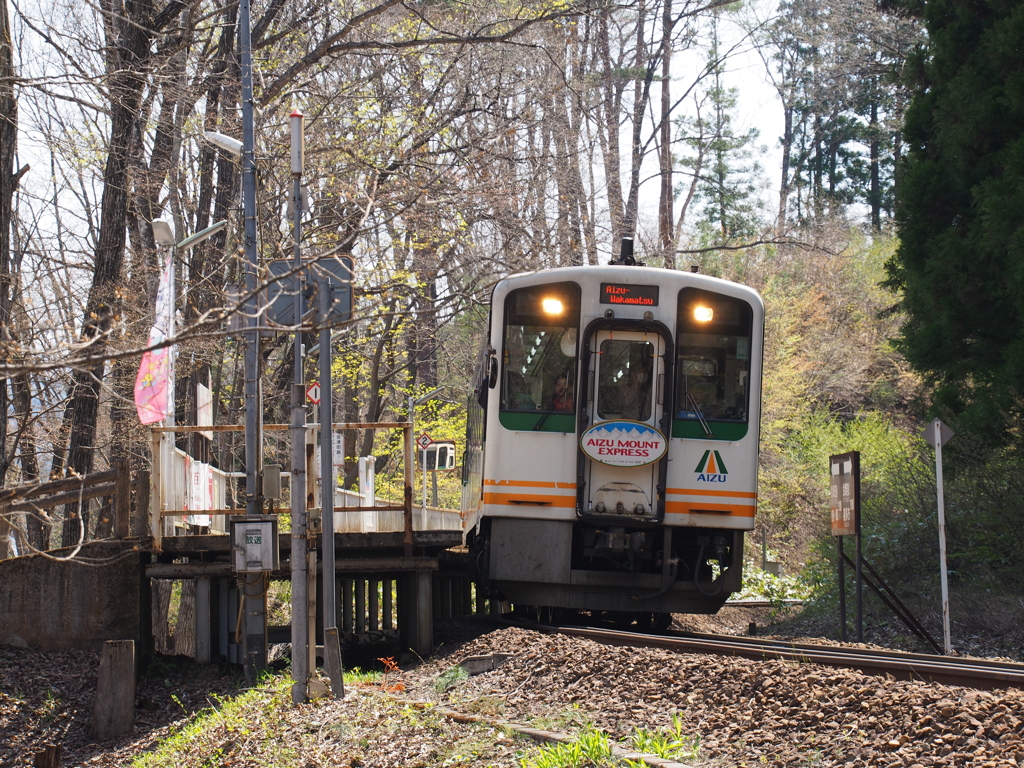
column 300, row 606
column 254, row 594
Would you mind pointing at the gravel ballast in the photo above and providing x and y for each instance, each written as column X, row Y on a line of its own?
column 740, row 712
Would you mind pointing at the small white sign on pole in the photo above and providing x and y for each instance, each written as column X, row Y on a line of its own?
column 339, row 449
column 938, row 434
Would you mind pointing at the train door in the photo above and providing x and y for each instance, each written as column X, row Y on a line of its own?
column 624, row 443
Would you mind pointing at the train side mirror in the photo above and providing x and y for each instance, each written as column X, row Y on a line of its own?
column 492, row 373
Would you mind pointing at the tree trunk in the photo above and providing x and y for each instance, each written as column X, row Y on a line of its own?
column 609, row 108
column 666, row 200
column 876, row 184
column 787, row 149
column 130, row 54
column 8, row 180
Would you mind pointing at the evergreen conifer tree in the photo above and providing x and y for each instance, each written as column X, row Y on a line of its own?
column 727, row 188
column 960, row 211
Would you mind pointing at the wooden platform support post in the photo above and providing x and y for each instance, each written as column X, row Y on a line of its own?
column 347, row 600
column 202, row 615
column 374, row 617
column 388, row 609
column 113, row 713
column 360, row 585
column 416, row 613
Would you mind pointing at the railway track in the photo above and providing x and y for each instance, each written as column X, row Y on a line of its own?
column 969, row 672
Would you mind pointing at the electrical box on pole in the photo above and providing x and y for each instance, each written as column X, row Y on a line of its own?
column 254, row 544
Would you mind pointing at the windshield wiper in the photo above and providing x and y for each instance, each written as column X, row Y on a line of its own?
column 700, row 416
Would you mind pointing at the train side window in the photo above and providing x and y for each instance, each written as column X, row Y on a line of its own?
column 713, row 357
column 539, row 354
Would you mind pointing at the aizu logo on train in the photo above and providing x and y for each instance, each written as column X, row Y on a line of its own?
column 711, row 468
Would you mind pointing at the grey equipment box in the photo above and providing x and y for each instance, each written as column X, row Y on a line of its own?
column 254, row 544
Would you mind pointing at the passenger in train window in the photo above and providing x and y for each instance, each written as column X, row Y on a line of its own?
column 560, row 398
column 636, row 393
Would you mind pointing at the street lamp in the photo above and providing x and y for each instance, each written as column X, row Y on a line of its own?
column 228, row 144
column 253, row 411
column 163, row 236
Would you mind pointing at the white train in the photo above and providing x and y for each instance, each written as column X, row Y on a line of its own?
column 612, row 442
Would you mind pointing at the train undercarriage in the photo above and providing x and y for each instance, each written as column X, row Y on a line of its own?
column 617, row 570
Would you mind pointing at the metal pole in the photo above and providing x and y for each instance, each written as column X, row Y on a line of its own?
column 860, row 587
column 300, row 608
column 254, row 594
column 172, row 290
column 424, row 509
column 842, row 592
column 167, row 438
column 410, row 471
column 937, row 425
column 860, row 582
column 327, row 456
column 253, row 411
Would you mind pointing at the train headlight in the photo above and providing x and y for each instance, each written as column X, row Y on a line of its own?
column 703, row 314
column 552, row 306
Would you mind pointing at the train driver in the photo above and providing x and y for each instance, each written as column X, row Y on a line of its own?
column 560, row 399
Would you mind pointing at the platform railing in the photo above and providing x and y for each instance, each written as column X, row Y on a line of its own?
column 172, row 478
column 348, row 518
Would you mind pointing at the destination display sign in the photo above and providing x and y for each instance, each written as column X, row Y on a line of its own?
column 635, row 295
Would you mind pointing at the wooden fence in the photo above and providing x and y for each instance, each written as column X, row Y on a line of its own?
column 117, row 517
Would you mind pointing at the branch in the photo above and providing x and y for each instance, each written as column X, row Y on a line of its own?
column 334, row 45
column 754, row 243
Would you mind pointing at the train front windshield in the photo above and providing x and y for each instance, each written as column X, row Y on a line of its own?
column 539, row 358
column 713, row 357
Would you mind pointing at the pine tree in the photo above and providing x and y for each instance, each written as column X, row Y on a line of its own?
column 960, row 211
column 835, row 70
column 726, row 189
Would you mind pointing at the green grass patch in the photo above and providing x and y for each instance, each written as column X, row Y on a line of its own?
column 592, row 748
column 450, row 678
column 237, row 727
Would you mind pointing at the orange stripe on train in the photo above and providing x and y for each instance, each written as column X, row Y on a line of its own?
column 702, row 492
column 530, row 500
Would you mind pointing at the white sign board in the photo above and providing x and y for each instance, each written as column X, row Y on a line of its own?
column 200, row 491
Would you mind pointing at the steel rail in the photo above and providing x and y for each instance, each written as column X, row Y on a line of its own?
column 947, row 670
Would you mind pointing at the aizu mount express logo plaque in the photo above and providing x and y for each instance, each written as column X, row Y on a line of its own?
column 622, row 443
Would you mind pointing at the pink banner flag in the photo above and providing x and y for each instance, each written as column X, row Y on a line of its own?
column 153, row 382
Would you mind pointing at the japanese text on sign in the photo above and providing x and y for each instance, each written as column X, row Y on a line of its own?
column 844, row 487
